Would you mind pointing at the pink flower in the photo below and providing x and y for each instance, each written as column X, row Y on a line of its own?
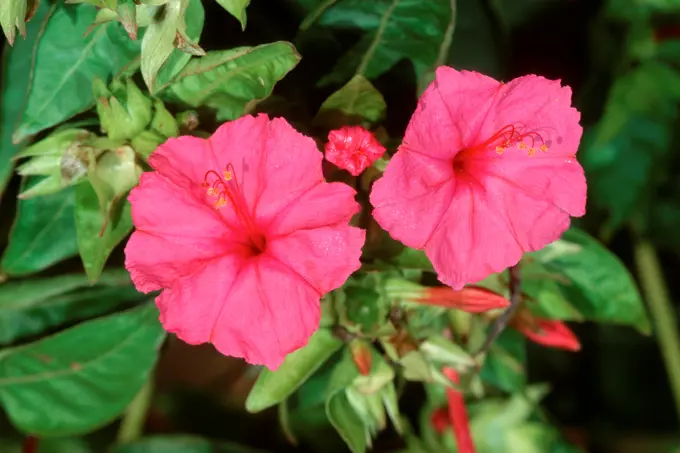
column 244, row 236
column 486, row 172
column 353, row 148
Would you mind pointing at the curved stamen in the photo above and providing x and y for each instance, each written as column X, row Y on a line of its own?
column 225, row 187
column 511, row 134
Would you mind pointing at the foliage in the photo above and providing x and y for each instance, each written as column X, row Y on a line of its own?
column 90, row 88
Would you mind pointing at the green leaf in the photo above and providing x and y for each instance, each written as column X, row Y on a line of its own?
column 13, row 16
column 56, row 91
column 233, row 81
column 396, row 29
column 346, row 421
column 16, row 70
column 544, row 289
column 634, row 134
column 236, row 8
column 441, row 350
column 127, row 13
column 355, row 103
column 182, row 444
column 272, row 387
column 99, row 232
column 186, row 33
column 43, row 234
column 505, row 364
column 82, row 378
column 600, row 288
column 413, row 259
column 30, row 307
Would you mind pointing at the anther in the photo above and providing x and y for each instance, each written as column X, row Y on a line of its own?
column 544, row 147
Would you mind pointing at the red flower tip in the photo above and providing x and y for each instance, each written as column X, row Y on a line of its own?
column 547, row 332
column 458, row 414
column 353, row 148
column 471, row 299
column 440, row 420
column 362, row 356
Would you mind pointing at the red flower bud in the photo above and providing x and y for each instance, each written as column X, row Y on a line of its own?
column 440, row 420
column 458, row 414
column 471, row 299
column 547, row 332
column 362, row 356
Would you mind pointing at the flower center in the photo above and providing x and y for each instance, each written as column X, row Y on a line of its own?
column 511, row 135
column 503, row 139
column 225, row 188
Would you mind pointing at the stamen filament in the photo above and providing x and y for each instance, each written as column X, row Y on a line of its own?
column 231, row 190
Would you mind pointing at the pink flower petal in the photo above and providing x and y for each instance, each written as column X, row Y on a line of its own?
column 412, row 197
column 293, row 167
column 269, row 312
column 325, row 257
column 192, row 305
column 331, row 203
column 241, row 143
column 450, row 112
column 184, row 161
column 539, row 105
column 165, row 246
column 471, row 241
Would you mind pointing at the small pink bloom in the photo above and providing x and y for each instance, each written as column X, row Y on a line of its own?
column 469, row 299
column 486, row 172
column 244, row 236
column 458, row 414
column 353, row 148
column 547, row 332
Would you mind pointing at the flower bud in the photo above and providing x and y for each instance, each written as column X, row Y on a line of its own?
column 361, row 356
column 547, row 332
column 470, row 299
column 123, row 110
column 63, row 159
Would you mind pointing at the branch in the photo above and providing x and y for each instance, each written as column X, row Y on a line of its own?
column 502, row 321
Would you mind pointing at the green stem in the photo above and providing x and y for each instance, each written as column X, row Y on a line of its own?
column 664, row 318
column 315, row 14
column 132, row 424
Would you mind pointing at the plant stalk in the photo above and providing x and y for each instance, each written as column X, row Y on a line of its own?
column 664, row 318
column 501, row 322
column 132, row 424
